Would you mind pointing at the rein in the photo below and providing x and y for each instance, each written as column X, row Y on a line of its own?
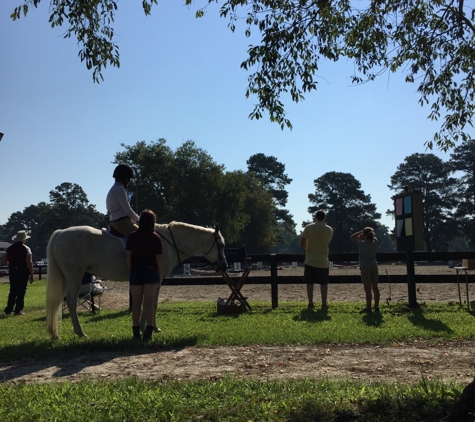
column 174, row 245
column 221, row 257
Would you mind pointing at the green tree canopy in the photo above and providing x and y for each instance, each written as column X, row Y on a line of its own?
column 246, row 213
column 188, row 185
column 429, row 174
column 153, row 175
column 197, row 182
column 290, row 242
column 32, row 219
column 431, row 43
column 70, row 207
column 347, row 207
column 463, row 160
column 272, row 174
column 181, row 185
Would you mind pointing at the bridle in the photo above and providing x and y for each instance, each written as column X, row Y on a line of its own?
column 221, row 257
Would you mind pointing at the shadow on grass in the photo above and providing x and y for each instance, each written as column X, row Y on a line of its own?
column 310, row 315
column 419, row 320
column 79, row 354
column 391, row 409
column 374, row 319
column 416, row 316
column 99, row 316
column 75, row 345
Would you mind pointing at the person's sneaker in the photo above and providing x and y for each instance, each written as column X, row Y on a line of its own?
column 365, row 311
column 19, row 313
column 311, row 306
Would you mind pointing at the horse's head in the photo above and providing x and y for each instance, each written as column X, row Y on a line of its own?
column 216, row 253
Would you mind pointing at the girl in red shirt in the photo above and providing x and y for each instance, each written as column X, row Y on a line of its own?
column 144, row 259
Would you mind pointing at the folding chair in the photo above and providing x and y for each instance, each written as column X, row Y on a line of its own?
column 239, row 257
column 90, row 289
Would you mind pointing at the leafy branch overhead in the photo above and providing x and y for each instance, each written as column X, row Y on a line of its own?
column 90, row 23
column 430, row 42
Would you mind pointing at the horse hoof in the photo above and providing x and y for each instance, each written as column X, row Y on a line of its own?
column 156, row 329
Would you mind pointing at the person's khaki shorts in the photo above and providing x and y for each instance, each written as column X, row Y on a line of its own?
column 369, row 274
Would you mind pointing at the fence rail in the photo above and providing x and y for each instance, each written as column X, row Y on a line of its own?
column 272, row 260
column 37, row 269
column 274, row 279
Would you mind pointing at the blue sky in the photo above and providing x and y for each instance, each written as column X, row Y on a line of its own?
column 180, row 79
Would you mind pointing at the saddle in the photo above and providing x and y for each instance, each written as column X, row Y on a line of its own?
column 115, row 235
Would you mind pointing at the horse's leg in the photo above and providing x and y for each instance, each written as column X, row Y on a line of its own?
column 55, row 290
column 74, row 285
column 155, row 326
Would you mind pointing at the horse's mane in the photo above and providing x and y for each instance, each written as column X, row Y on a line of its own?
column 178, row 224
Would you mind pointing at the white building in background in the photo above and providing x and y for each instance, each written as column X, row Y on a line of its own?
column 3, row 249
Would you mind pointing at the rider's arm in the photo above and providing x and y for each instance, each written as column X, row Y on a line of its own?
column 124, row 203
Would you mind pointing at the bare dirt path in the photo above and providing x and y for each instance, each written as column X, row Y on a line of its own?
column 405, row 362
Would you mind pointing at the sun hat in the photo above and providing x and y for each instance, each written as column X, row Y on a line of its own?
column 20, row 236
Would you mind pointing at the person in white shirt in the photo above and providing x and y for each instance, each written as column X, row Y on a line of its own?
column 368, row 244
column 122, row 217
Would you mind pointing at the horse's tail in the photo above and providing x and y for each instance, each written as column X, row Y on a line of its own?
column 55, row 290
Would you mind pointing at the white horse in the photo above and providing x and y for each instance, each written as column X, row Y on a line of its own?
column 76, row 250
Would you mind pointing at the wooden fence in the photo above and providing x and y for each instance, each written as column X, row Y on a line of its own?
column 274, row 280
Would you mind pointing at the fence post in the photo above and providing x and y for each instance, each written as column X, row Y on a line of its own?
column 411, row 279
column 273, row 281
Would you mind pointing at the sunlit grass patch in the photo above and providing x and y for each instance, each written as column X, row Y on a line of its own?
column 226, row 399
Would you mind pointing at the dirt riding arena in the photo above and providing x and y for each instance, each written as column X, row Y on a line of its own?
column 405, row 362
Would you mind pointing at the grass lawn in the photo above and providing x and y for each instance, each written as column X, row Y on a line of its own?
column 197, row 324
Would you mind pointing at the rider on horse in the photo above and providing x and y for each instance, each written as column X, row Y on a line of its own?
column 122, row 217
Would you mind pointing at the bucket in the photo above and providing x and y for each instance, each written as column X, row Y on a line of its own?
column 229, row 308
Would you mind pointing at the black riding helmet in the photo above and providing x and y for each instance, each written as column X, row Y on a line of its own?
column 123, row 173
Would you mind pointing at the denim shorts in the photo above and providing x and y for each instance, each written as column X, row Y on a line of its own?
column 140, row 275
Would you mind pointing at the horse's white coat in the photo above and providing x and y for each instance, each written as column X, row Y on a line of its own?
column 76, row 250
